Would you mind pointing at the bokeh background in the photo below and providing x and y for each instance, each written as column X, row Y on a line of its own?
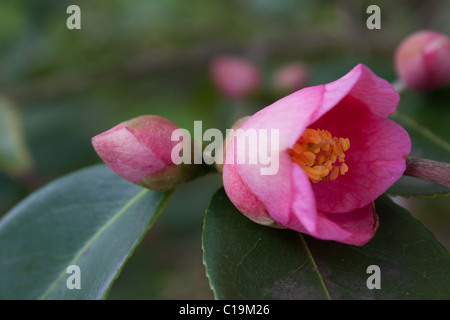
column 60, row 87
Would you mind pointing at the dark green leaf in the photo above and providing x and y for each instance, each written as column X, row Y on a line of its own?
column 92, row 218
column 425, row 117
column 247, row 261
column 410, row 187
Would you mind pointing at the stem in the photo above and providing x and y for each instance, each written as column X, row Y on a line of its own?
column 434, row 171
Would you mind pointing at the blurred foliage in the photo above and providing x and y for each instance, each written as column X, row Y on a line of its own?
column 151, row 57
column 14, row 154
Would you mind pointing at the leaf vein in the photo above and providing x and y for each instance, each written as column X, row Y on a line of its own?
column 92, row 240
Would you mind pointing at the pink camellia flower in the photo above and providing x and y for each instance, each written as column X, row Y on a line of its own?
column 422, row 60
column 235, row 77
column 139, row 150
column 337, row 153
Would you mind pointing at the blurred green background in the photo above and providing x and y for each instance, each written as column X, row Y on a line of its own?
column 60, row 87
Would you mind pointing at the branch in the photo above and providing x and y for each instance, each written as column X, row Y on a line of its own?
column 434, row 171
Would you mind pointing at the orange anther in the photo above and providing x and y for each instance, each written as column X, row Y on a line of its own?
column 316, row 151
column 334, row 173
column 344, row 168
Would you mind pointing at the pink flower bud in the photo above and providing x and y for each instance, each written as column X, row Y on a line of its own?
column 291, row 77
column 422, row 60
column 235, row 77
column 139, row 150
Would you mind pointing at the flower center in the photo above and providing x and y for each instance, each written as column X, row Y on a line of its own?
column 318, row 153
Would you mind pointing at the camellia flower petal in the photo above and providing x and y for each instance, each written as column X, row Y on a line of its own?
column 337, row 153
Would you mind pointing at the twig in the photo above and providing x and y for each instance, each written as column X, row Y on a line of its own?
column 434, row 171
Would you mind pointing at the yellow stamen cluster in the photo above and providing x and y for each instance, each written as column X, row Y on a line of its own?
column 317, row 152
